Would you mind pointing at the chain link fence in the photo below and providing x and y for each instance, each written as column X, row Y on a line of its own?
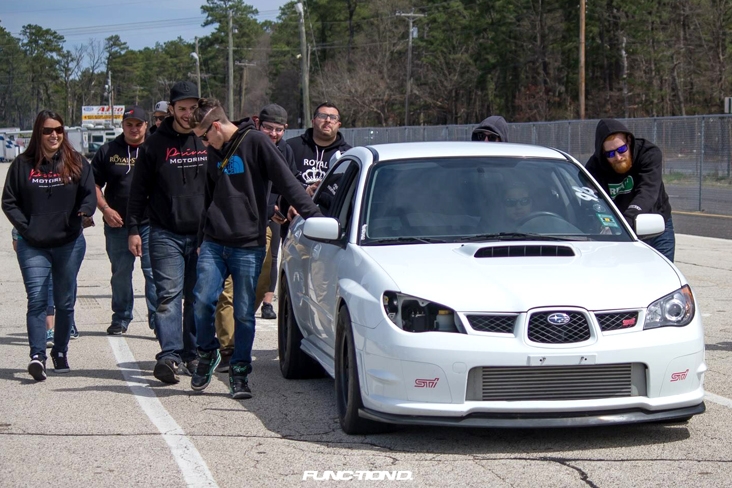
column 697, row 150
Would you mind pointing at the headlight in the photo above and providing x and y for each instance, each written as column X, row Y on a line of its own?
column 673, row 310
column 413, row 314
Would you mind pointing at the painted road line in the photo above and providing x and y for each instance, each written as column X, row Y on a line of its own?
column 718, row 399
column 194, row 469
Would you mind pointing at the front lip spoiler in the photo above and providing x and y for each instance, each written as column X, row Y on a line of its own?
column 538, row 420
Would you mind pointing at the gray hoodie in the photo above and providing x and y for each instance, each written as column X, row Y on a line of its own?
column 495, row 124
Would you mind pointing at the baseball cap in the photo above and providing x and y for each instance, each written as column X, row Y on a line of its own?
column 135, row 112
column 161, row 106
column 273, row 113
column 183, row 90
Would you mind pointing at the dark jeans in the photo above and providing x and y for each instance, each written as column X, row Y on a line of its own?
column 173, row 258
column 666, row 242
column 38, row 266
column 215, row 263
column 123, row 264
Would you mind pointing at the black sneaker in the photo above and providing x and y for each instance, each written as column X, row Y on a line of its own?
column 239, row 381
column 268, row 312
column 189, row 368
column 60, row 363
column 166, row 370
column 37, row 368
column 116, row 329
column 207, row 362
column 223, row 366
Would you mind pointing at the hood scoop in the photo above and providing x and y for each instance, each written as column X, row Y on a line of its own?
column 524, row 251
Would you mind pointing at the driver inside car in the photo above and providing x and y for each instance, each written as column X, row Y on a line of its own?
column 517, row 204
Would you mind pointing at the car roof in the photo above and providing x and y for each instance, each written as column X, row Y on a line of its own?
column 414, row 150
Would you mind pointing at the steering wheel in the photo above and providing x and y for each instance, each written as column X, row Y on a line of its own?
column 536, row 215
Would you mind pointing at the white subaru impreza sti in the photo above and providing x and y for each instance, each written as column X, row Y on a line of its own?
column 473, row 284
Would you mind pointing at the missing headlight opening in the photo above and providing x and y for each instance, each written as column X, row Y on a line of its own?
column 415, row 315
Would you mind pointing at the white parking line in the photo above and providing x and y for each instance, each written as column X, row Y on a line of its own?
column 718, row 399
column 193, row 467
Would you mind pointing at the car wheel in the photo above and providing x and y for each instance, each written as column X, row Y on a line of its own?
column 347, row 385
column 294, row 363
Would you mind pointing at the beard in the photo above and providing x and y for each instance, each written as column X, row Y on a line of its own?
column 623, row 166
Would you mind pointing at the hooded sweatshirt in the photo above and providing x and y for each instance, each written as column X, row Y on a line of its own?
column 641, row 189
column 168, row 180
column 494, row 124
column 312, row 160
column 44, row 209
column 235, row 207
column 114, row 165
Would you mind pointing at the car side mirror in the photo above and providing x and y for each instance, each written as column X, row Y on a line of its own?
column 649, row 225
column 324, row 229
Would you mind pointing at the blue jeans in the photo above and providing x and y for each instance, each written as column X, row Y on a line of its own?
column 215, row 263
column 38, row 266
column 123, row 263
column 666, row 242
column 173, row 258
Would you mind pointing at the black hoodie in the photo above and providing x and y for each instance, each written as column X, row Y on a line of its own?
column 114, row 165
column 169, row 176
column 641, row 189
column 494, row 124
column 235, row 208
column 43, row 208
column 312, row 160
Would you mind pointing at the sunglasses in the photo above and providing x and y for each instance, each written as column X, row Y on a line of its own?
column 621, row 150
column 47, row 131
column 276, row 130
column 160, row 117
column 521, row 202
column 204, row 136
column 323, row 116
column 491, row 138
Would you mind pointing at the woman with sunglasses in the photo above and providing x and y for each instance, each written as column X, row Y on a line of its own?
column 630, row 169
column 48, row 192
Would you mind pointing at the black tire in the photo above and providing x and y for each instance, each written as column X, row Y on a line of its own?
column 347, row 385
column 294, row 363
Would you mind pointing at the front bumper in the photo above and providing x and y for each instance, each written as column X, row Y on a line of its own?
column 530, row 421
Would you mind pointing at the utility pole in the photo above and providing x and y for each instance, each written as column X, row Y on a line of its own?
column 198, row 69
column 231, row 67
column 410, row 17
column 304, row 69
column 111, row 99
column 244, row 66
column 582, row 61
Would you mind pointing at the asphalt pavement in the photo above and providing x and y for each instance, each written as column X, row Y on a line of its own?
column 110, row 423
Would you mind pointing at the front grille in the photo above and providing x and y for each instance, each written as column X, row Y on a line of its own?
column 524, row 251
column 493, row 323
column 527, row 383
column 617, row 320
column 577, row 329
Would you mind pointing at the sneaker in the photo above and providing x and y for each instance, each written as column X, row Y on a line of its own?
column 189, row 368
column 226, row 354
column 116, row 329
column 268, row 311
column 74, row 332
column 60, row 363
column 37, row 368
column 166, row 370
column 49, row 338
column 239, row 381
column 207, row 362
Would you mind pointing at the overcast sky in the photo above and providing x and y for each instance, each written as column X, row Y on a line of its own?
column 139, row 23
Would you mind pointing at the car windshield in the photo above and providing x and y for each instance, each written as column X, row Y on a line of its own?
column 484, row 199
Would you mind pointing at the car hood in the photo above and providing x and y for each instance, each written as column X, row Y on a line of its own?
column 600, row 275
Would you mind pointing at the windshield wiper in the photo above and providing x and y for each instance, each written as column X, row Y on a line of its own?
column 517, row 236
column 406, row 240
